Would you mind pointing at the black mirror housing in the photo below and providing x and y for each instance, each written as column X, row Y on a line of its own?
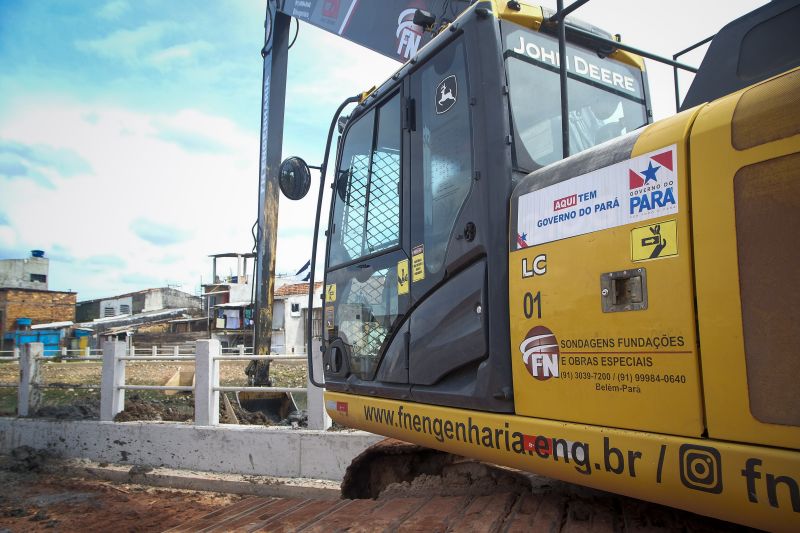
column 424, row 19
column 294, row 178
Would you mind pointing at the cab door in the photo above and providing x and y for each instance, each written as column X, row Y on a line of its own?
column 367, row 280
column 448, row 327
column 441, row 162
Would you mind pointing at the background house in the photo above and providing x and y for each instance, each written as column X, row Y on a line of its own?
column 230, row 308
column 229, row 299
column 28, row 273
column 25, row 302
column 141, row 318
column 133, row 303
column 22, row 308
column 290, row 315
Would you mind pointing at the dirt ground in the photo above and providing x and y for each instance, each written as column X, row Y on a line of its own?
column 74, row 391
column 36, row 497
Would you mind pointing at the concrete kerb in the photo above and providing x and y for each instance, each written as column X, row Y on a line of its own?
column 246, row 450
column 297, row 488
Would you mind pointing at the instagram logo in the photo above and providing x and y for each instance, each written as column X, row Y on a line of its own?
column 701, row 468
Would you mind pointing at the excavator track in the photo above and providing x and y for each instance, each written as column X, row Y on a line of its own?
column 397, row 486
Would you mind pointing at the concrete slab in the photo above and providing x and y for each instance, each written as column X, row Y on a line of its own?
column 264, row 451
column 267, row 486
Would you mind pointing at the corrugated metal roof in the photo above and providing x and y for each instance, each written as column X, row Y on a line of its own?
column 53, row 325
column 234, row 254
column 235, row 304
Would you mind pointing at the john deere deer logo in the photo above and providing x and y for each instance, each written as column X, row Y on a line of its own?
column 446, row 94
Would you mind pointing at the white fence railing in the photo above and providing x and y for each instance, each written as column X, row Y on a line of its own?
column 9, row 355
column 83, row 354
column 185, row 349
column 115, row 355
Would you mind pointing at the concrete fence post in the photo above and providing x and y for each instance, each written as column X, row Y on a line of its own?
column 133, row 349
column 176, row 350
column 154, row 350
column 64, row 351
column 28, row 393
column 206, row 368
column 87, row 352
column 112, row 397
column 16, row 352
column 241, row 349
column 317, row 416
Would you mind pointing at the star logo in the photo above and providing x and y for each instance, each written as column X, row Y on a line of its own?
column 664, row 160
column 650, row 173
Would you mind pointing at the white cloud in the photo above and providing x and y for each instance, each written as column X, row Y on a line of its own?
column 325, row 69
column 140, row 184
column 127, row 45
column 113, row 10
column 180, row 54
column 144, row 46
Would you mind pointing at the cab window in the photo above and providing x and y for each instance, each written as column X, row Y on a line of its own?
column 366, row 216
column 606, row 98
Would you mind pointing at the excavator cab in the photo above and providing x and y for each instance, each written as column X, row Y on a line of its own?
column 416, row 257
column 542, row 283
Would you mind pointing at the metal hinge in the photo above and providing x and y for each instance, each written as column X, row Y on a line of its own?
column 409, row 115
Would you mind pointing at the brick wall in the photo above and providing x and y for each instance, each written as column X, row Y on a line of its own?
column 40, row 306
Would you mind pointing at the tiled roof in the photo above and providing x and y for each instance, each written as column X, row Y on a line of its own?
column 295, row 289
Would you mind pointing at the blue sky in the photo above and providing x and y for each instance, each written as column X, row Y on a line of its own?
column 129, row 129
column 129, row 135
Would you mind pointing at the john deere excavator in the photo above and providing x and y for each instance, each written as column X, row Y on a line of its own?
column 522, row 268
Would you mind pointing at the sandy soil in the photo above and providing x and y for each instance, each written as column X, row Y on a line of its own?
column 36, row 498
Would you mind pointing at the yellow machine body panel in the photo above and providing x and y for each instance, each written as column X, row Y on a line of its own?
column 665, row 469
column 653, row 314
column 601, row 302
column 745, row 163
column 614, row 388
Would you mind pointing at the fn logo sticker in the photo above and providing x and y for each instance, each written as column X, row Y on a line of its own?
column 654, row 241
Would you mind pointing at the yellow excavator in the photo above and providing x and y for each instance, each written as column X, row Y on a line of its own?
column 522, row 268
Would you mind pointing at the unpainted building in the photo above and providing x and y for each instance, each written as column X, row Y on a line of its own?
column 41, row 307
column 136, row 302
column 28, row 273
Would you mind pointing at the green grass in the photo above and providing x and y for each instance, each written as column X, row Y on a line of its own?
column 8, row 401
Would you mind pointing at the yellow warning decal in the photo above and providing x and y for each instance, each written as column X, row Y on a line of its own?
column 654, row 241
column 330, row 293
column 418, row 263
column 402, row 276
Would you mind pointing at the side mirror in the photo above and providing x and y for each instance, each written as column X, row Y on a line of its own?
column 424, row 19
column 294, row 178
